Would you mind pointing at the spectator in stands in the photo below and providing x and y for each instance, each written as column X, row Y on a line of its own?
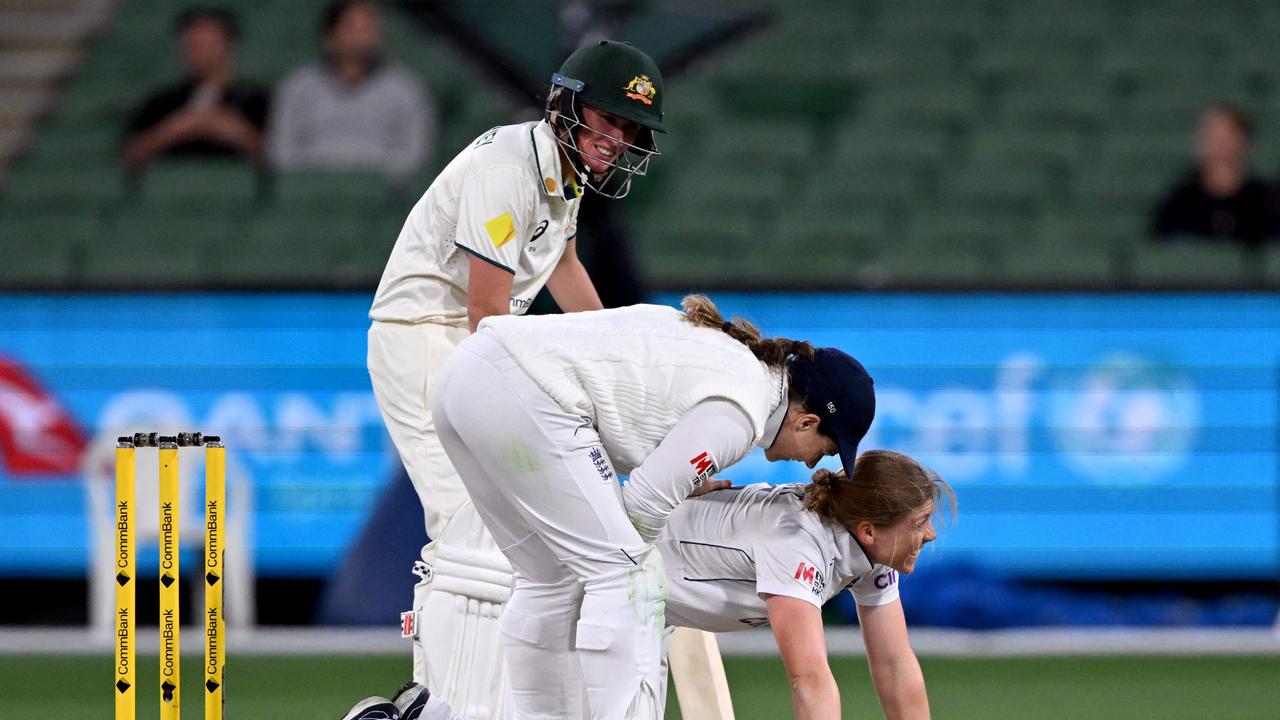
column 209, row 112
column 353, row 110
column 1220, row 198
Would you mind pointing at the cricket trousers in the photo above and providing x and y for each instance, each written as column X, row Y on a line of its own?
column 457, row 605
column 589, row 602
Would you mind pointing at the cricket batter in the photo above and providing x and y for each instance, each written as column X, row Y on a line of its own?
column 774, row 555
column 495, row 227
column 540, row 414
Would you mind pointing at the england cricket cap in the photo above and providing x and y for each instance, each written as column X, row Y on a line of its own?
column 837, row 389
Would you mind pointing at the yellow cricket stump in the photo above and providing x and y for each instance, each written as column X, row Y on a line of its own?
column 170, row 622
column 215, row 650
column 126, row 584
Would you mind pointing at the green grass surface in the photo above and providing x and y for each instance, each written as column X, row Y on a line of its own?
column 322, row 688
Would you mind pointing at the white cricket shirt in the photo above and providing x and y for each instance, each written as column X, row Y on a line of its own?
column 503, row 200
column 725, row 548
column 636, row 371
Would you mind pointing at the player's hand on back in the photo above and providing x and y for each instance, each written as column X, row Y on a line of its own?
column 710, row 485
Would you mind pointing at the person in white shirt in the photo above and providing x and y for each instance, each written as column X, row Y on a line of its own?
column 774, row 555
column 539, row 416
column 495, row 227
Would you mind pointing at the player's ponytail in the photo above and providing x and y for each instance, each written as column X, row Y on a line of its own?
column 774, row 352
column 886, row 486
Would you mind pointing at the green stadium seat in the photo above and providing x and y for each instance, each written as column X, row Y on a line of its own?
column 892, row 143
column 1121, row 185
column 1271, row 265
column 753, row 195
column 329, row 192
column 884, row 61
column 150, row 248
column 40, row 249
column 1137, row 141
column 753, row 82
column 1253, row 60
column 941, row 104
column 71, row 146
column 693, row 251
column 997, row 184
column 1086, row 22
column 1183, row 23
column 834, row 246
column 1076, row 101
column 200, row 184
column 1193, row 264
column 359, row 259
column 88, row 188
column 865, row 181
column 1075, row 248
column 1135, row 61
column 1030, row 58
column 284, row 249
column 1178, row 105
column 1041, row 265
column 763, row 146
column 933, row 20
column 953, row 247
column 1051, row 147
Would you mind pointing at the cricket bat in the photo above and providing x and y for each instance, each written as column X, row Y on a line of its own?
column 698, row 672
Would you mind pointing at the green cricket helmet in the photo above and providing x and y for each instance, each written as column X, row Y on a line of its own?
column 617, row 78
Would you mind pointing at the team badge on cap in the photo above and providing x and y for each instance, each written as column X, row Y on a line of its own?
column 641, row 88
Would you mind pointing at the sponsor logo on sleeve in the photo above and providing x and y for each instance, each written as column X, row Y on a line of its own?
column 886, row 579
column 704, row 466
column 811, row 577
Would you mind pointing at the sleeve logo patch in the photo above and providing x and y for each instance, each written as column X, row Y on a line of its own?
column 811, row 577
column 501, row 229
column 885, row 580
column 704, row 467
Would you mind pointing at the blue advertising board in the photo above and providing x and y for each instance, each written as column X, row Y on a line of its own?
column 1086, row 436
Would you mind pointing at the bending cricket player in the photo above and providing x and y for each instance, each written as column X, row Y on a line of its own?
column 773, row 555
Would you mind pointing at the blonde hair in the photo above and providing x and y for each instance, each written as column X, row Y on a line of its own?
column 886, row 486
column 774, row 352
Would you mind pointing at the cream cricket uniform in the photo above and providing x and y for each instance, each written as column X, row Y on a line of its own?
column 727, row 549
column 538, row 414
column 502, row 200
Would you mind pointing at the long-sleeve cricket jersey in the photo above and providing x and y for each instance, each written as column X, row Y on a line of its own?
column 725, row 549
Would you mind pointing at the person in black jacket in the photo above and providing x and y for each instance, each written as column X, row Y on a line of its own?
column 1220, row 198
column 209, row 112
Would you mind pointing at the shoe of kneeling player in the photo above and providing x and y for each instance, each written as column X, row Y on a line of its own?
column 373, row 708
column 411, row 700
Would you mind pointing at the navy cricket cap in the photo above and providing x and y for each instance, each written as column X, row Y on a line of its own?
column 837, row 389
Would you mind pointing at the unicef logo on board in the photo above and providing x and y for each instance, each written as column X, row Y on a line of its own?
column 1124, row 420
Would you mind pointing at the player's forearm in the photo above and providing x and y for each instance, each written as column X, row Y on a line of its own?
column 815, row 696
column 481, row 308
column 714, row 433
column 901, row 690
column 571, row 286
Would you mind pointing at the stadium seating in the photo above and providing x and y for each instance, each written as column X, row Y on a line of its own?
column 920, row 143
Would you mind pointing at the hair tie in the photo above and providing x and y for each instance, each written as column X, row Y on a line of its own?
column 726, row 326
